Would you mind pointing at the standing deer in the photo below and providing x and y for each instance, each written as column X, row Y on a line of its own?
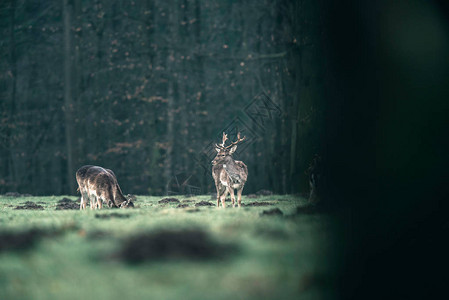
column 229, row 174
column 100, row 185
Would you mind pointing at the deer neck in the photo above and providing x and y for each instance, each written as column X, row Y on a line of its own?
column 229, row 162
column 231, row 169
column 118, row 197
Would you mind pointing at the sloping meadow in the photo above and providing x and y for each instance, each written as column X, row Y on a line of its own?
column 165, row 248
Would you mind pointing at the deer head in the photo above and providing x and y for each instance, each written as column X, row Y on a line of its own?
column 129, row 201
column 224, row 153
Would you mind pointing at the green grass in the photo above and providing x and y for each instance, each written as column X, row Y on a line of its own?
column 277, row 257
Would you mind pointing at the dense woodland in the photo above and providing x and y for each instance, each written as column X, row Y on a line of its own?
column 146, row 88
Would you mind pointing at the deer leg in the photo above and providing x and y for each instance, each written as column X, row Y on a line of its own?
column 93, row 202
column 231, row 191
column 99, row 203
column 221, row 189
column 218, row 195
column 239, row 196
column 83, row 201
column 86, row 199
column 223, row 198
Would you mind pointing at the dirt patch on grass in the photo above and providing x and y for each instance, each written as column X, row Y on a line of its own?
column 272, row 212
column 204, row 203
column 191, row 244
column 257, row 204
column 30, row 205
column 66, row 203
column 168, row 200
column 67, row 200
column 182, row 206
column 111, row 216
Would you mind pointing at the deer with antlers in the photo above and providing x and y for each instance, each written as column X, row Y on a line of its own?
column 229, row 174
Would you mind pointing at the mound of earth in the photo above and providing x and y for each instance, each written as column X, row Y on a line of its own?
column 168, row 200
column 112, row 215
column 257, row 204
column 66, row 200
column 29, row 205
column 204, row 203
column 190, row 244
column 24, row 240
column 272, row 212
column 66, row 203
column 18, row 240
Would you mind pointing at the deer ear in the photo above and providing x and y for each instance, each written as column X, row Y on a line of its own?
column 217, row 149
column 232, row 150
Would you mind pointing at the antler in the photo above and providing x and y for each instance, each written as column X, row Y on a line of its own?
column 225, row 137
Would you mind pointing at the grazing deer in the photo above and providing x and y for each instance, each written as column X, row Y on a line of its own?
column 100, row 185
column 229, row 174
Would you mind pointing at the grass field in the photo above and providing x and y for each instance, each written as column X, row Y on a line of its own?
column 162, row 251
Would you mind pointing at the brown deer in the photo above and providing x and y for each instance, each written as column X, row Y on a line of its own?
column 100, row 185
column 229, row 174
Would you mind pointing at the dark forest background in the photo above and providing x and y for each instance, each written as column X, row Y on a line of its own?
column 146, row 88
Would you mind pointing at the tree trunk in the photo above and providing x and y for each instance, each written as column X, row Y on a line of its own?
column 68, row 105
column 170, row 134
column 9, row 133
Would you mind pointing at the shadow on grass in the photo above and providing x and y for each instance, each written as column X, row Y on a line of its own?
column 191, row 244
column 27, row 239
column 112, row 216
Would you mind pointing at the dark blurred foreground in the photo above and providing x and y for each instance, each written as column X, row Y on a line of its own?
column 387, row 145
